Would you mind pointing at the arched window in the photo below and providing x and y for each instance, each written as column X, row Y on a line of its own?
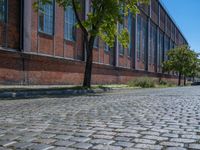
column 46, row 18
column 70, row 21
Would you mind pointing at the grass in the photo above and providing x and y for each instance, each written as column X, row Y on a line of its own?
column 146, row 82
column 143, row 82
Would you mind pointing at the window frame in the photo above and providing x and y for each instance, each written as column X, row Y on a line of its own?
column 53, row 20
column 67, row 24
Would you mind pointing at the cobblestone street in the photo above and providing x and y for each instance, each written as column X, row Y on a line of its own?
column 167, row 119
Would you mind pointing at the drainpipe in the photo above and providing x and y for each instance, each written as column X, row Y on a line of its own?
column 25, row 34
column 21, row 25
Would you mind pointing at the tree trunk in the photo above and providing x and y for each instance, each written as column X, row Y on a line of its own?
column 89, row 60
column 184, row 81
column 179, row 79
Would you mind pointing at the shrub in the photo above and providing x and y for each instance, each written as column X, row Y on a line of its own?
column 162, row 82
column 143, row 82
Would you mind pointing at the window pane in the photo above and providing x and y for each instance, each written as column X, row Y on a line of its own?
column 153, row 44
column 2, row 10
column 130, row 33
column 70, row 22
column 46, row 15
column 96, row 42
column 138, row 36
column 106, row 47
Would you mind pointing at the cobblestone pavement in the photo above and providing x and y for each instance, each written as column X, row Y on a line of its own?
column 167, row 119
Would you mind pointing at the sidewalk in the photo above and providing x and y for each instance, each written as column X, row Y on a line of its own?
column 37, row 91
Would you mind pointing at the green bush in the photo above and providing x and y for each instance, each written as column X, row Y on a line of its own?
column 162, row 82
column 143, row 82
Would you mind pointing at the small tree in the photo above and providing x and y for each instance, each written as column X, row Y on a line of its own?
column 102, row 22
column 182, row 60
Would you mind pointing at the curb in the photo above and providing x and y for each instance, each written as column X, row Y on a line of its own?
column 37, row 93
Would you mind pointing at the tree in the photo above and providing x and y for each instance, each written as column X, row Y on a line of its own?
column 182, row 60
column 101, row 22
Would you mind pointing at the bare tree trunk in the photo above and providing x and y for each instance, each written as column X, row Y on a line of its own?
column 179, row 79
column 184, row 81
column 88, row 66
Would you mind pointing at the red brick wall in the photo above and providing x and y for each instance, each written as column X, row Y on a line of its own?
column 11, row 29
column 50, row 70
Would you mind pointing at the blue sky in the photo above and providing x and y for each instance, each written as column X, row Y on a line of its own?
column 186, row 14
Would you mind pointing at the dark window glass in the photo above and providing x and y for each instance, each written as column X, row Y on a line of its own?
column 160, row 50
column 121, row 48
column 96, row 42
column 153, row 44
column 141, row 38
column 167, row 47
column 3, row 10
column 130, row 33
column 106, row 47
column 46, row 14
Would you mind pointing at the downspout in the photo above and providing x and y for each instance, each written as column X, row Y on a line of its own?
column 21, row 49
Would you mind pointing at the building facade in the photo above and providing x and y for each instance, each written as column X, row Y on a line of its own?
column 44, row 47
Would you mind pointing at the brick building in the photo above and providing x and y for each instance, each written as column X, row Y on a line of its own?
column 43, row 47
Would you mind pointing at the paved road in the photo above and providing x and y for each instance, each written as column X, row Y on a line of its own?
column 130, row 120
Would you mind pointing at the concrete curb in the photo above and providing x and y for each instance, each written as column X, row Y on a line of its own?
column 37, row 93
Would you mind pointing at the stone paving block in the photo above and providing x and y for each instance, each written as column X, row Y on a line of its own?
column 80, row 139
column 106, row 133
column 9, row 137
column 135, row 135
column 148, row 146
column 63, row 137
column 194, row 146
column 144, row 141
column 150, row 133
column 183, row 140
column 107, row 147
column 46, row 136
column 45, row 141
column 121, row 138
column 172, row 144
column 82, row 145
column 170, row 135
column 98, row 136
column 158, row 138
column 196, row 137
column 101, row 141
column 7, row 143
column 123, row 144
column 175, row 148
column 39, row 147
column 20, row 145
column 64, row 143
column 83, row 134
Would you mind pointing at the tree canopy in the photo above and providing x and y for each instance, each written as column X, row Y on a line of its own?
column 182, row 60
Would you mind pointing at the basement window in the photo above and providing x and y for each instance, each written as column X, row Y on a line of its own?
column 46, row 17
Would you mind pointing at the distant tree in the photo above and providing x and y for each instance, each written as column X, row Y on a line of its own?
column 102, row 22
column 182, row 60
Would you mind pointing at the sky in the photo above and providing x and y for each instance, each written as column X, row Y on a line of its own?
column 186, row 14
